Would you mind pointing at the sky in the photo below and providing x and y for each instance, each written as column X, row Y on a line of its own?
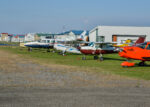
column 55, row 16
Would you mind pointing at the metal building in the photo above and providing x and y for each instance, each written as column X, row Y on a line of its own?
column 118, row 33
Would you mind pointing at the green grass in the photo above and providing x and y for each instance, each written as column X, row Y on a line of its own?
column 111, row 63
column 10, row 43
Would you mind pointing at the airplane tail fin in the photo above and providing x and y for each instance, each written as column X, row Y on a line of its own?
column 140, row 40
column 81, row 37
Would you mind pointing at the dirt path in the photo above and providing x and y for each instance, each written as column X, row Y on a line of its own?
column 24, row 83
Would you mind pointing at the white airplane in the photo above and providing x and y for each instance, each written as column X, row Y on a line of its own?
column 68, row 49
column 47, row 43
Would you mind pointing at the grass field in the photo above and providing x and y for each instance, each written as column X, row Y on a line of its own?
column 10, row 43
column 111, row 63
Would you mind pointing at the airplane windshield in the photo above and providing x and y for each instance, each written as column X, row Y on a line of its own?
column 109, row 45
column 91, row 44
column 53, row 41
column 104, row 45
column 148, row 47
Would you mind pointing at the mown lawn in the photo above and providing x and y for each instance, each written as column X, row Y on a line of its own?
column 111, row 63
column 9, row 43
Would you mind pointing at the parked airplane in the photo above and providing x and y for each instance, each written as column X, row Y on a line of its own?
column 97, row 49
column 65, row 49
column 138, row 41
column 138, row 52
column 47, row 43
column 129, row 42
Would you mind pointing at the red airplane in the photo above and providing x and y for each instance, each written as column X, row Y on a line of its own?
column 97, row 49
column 138, row 52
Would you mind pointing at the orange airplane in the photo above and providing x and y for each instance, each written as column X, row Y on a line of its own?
column 137, row 52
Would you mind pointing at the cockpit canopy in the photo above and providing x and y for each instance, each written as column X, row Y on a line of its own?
column 145, row 45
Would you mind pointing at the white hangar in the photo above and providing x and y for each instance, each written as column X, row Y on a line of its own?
column 118, row 33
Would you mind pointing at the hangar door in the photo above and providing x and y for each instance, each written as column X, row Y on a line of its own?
column 123, row 38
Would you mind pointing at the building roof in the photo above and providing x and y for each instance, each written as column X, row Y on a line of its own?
column 19, row 36
column 10, row 34
column 45, row 34
column 4, row 33
column 76, row 32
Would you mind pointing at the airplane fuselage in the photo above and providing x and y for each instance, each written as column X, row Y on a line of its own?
column 68, row 49
column 39, row 45
column 136, row 53
column 88, row 50
column 47, row 43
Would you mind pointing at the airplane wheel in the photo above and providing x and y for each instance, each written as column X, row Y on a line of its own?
column 83, row 58
column 95, row 57
column 29, row 49
column 101, row 58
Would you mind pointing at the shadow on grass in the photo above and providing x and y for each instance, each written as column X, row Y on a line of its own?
column 137, row 65
column 104, row 58
column 117, row 59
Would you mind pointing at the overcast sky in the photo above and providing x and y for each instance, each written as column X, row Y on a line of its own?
column 24, row 16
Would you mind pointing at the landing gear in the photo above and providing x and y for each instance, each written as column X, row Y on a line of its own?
column 63, row 53
column 84, row 58
column 48, row 50
column 101, row 57
column 142, row 63
column 96, row 57
column 29, row 49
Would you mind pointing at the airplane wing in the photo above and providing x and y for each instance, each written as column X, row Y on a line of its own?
column 105, row 42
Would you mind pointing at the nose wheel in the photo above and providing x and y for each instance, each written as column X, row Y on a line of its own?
column 101, row 57
column 29, row 49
